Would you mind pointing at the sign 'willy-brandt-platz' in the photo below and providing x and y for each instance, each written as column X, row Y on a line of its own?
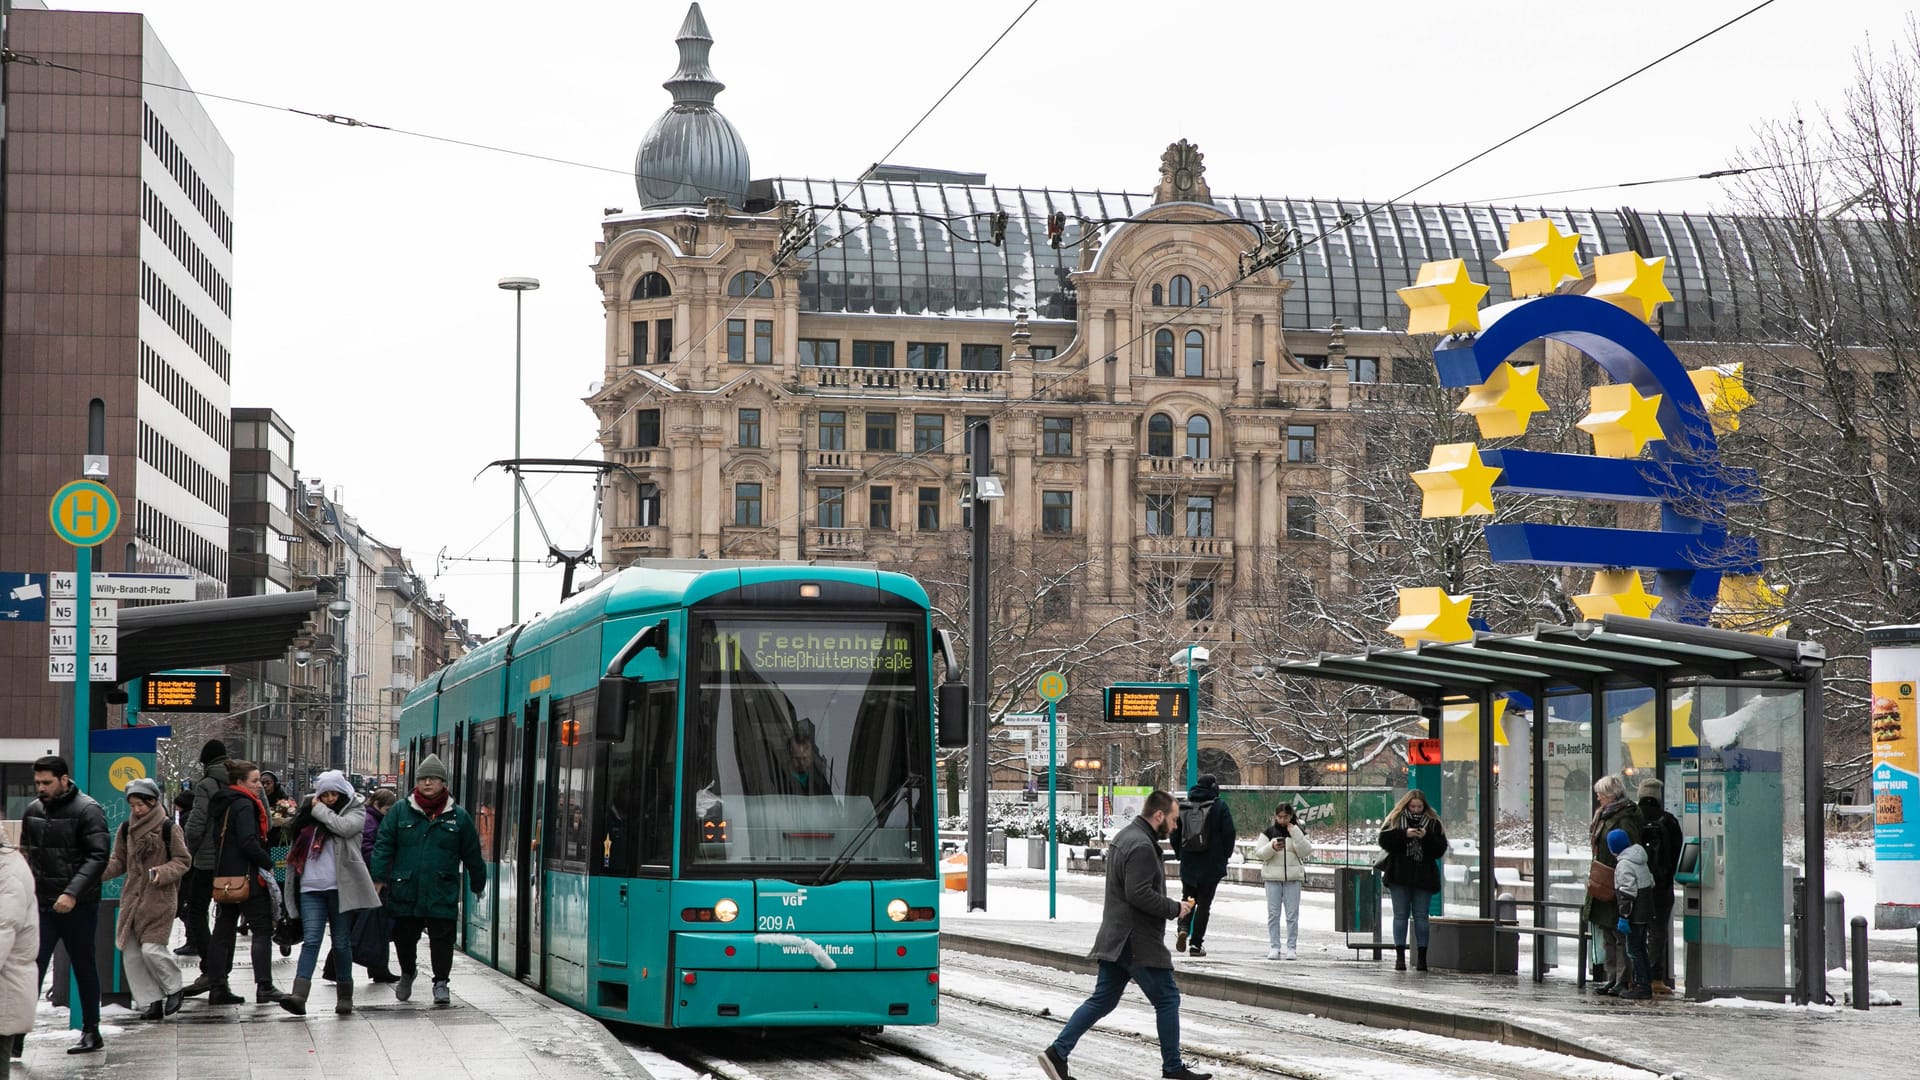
column 1148, row 703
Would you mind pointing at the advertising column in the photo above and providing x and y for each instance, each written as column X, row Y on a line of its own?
column 1896, row 777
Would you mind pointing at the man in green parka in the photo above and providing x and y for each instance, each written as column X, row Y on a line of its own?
column 417, row 855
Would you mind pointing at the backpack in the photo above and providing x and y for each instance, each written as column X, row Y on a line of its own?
column 1193, row 828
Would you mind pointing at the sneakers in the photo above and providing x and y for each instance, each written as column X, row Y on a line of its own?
column 1054, row 1065
column 403, row 990
column 1290, row 954
column 1185, row 1072
column 1196, row 950
column 1273, row 954
column 442, row 994
column 1180, row 941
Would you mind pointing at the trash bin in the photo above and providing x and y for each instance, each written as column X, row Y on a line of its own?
column 1356, row 907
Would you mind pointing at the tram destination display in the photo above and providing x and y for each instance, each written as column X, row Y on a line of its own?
column 1147, row 704
column 186, row 693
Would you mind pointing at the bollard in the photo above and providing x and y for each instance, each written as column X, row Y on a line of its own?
column 1506, row 909
column 1836, row 922
column 1859, row 962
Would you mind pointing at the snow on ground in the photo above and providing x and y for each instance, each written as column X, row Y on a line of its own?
column 1024, row 904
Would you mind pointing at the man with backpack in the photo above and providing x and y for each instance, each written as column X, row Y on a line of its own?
column 1662, row 838
column 1203, row 838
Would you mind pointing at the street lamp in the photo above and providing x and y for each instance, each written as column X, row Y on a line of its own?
column 519, row 287
column 1193, row 658
column 984, row 489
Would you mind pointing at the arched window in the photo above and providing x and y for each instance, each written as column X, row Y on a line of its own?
column 751, row 283
column 1196, row 365
column 1180, row 291
column 1160, row 435
column 651, row 286
column 1206, row 297
column 1163, row 353
column 1199, row 438
column 1159, row 296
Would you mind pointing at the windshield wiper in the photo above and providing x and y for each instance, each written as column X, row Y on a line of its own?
column 839, row 864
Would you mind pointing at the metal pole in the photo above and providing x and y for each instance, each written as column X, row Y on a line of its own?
column 1053, row 809
column 1814, row 829
column 82, row 717
column 517, row 297
column 1860, row 962
column 977, row 672
column 1193, row 721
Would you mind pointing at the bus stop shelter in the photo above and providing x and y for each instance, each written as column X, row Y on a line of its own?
column 1731, row 723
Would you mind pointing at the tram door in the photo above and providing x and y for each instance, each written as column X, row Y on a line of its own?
column 521, row 863
column 510, row 954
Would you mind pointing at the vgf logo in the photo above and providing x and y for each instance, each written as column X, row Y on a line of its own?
column 794, row 899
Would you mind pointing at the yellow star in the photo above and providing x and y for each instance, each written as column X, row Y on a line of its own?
column 1503, row 404
column 1631, row 283
column 1616, row 592
column 1432, row 615
column 1538, row 258
column 1748, row 603
column 1455, row 482
column 1443, row 300
column 1621, row 422
column 1723, row 390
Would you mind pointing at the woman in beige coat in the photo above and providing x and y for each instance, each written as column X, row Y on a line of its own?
column 19, row 951
column 152, row 853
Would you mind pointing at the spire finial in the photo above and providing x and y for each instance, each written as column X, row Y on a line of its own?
column 694, row 83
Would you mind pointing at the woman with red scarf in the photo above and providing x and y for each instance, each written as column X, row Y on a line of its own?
column 237, row 827
column 417, row 856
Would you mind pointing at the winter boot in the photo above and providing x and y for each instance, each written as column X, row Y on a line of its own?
column 441, row 994
column 1399, row 958
column 267, row 994
column 1420, row 959
column 403, row 990
column 222, row 995
column 296, row 1002
column 343, row 997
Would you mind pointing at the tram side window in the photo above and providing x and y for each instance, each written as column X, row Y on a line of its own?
column 483, row 772
column 573, row 754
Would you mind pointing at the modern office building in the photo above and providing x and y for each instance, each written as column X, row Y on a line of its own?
column 117, row 316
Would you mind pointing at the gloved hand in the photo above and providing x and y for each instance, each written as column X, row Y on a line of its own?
column 1621, row 925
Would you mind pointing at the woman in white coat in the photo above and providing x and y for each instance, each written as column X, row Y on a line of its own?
column 1282, row 853
column 19, row 951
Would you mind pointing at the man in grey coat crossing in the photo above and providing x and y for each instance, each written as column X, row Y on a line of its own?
column 1131, row 943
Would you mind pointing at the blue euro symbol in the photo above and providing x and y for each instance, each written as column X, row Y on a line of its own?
column 1682, row 474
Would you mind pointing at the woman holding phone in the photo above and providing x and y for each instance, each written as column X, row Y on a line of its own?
column 1282, row 853
column 1414, row 842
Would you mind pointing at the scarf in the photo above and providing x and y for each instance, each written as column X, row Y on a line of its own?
column 432, row 807
column 305, row 846
column 1414, row 849
column 143, row 835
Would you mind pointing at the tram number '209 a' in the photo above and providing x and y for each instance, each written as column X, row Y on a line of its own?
column 777, row 922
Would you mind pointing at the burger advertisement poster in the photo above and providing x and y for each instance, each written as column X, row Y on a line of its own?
column 1896, row 777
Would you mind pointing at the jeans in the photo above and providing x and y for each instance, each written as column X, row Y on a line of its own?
column 1637, row 954
column 217, row 963
column 1156, row 983
column 196, row 892
column 1202, row 894
column 75, row 930
column 319, row 911
column 1283, row 895
column 1417, row 902
column 406, row 943
column 1615, row 944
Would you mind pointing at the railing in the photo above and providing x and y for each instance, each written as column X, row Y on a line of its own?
column 1297, row 395
column 1183, row 547
column 642, row 457
column 1186, row 468
column 834, row 460
column 905, row 381
column 831, row 541
column 647, row 538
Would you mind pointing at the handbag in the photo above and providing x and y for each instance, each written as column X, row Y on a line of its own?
column 236, row 889
column 1600, row 881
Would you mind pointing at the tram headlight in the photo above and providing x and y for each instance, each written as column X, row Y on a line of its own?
column 897, row 910
column 726, row 911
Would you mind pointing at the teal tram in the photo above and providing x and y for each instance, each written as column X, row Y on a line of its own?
column 704, row 793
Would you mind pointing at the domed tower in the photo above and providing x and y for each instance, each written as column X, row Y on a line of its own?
column 692, row 154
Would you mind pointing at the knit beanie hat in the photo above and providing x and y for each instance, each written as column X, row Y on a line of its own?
column 1618, row 841
column 143, row 787
column 333, row 780
column 431, row 769
column 1651, row 789
column 215, row 751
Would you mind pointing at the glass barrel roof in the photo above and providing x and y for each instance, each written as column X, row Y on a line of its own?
column 918, row 248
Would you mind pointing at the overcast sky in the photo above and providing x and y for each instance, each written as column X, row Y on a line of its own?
column 366, row 308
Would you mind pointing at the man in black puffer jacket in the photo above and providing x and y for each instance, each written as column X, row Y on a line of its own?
column 64, row 834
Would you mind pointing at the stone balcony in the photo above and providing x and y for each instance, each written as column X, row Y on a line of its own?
column 1211, row 548
column 642, row 457
column 641, row 541
column 1196, row 470
column 904, row 382
column 833, row 461
column 822, row 540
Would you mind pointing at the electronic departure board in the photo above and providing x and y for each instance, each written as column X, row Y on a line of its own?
column 186, row 693
column 1150, row 703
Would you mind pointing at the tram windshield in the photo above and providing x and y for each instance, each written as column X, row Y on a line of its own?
column 802, row 729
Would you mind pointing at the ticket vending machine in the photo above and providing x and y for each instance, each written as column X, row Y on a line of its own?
column 1693, row 875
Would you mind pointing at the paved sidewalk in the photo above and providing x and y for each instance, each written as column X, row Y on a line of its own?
column 1738, row 1041
column 496, row 1028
